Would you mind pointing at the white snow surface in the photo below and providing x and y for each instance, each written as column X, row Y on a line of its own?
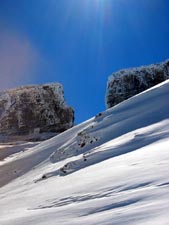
column 109, row 170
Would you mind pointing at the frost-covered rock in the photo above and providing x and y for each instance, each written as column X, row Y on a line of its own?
column 126, row 83
column 34, row 111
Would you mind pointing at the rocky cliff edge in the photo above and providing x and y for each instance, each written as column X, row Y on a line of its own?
column 34, row 112
column 126, row 83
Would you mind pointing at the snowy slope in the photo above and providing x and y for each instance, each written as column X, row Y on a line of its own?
column 111, row 169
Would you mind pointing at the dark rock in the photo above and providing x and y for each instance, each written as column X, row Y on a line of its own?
column 127, row 83
column 34, row 112
column 44, row 176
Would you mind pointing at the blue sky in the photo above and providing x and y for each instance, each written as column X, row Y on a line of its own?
column 79, row 43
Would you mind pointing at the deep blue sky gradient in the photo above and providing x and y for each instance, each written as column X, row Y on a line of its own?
column 82, row 42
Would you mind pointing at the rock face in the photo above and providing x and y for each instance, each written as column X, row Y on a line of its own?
column 34, row 110
column 129, row 82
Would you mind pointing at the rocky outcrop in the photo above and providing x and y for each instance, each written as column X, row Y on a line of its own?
column 34, row 112
column 129, row 82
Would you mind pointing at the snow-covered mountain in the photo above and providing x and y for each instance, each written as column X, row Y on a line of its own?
column 109, row 170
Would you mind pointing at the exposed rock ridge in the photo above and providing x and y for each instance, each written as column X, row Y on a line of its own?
column 34, row 110
column 126, row 83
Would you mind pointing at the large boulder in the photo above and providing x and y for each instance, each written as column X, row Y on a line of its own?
column 126, row 83
column 34, row 112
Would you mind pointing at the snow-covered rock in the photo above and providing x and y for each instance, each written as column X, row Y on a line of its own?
column 126, row 83
column 29, row 112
